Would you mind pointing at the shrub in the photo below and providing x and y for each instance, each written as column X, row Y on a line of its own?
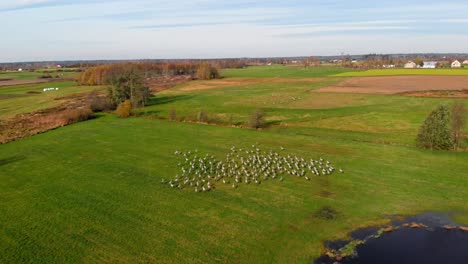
column 206, row 72
column 172, row 115
column 71, row 116
column 124, row 109
column 257, row 119
column 98, row 103
column 202, row 116
column 435, row 132
column 45, row 76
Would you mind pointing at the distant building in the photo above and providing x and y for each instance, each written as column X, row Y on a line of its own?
column 465, row 62
column 59, row 66
column 456, row 64
column 388, row 66
column 20, row 70
column 410, row 65
column 429, row 65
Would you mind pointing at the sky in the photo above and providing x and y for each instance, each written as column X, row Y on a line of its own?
column 38, row 30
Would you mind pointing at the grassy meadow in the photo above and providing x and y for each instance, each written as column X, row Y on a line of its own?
column 19, row 99
column 91, row 192
column 28, row 75
column 282, row 71
column 292, row 107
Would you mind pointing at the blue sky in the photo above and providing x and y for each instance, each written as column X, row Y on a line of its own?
column 138, row 29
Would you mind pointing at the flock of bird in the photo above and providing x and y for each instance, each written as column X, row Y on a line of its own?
column 243, row 166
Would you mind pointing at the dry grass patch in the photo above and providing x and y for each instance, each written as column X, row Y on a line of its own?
column 74, row 109
column 439, row 94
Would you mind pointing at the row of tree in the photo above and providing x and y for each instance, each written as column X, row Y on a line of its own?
column 104, row 74
column 443, row 128
column 126, row 82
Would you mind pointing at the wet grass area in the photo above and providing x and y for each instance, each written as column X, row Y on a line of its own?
column 426, row 238
column 326, row 213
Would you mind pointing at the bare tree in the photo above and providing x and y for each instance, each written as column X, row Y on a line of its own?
column 257, row 119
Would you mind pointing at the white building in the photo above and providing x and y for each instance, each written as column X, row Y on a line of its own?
column 20, row 70
column 410, row 65
column 430, row 65
column 456, row 64
column 465, row 62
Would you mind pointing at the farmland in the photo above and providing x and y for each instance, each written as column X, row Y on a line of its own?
column 91, row 192
column 399, row 84
column 402, row 72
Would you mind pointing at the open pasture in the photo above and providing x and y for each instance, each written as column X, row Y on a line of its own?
column 398, row 84
column 25, row 77
column 11, row 82
column 233, row 82
column 292, row 106
column 92, row 192
column 16, row 75
column 282, row 71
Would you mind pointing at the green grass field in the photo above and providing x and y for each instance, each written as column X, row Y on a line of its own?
column 91, row 192
column 27, row 75
column 281, row 71
column 24, row 75
column 293, row 108
column 16, row 99
column 400, row 72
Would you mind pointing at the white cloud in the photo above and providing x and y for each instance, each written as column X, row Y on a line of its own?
column 124, row 29
column 21, row 3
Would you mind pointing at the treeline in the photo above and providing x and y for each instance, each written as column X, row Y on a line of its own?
column 103, row 74
column 126, row 82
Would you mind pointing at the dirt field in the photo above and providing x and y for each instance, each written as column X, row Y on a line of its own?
column 399, row 84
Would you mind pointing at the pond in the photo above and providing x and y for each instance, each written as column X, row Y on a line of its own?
column 426, row 238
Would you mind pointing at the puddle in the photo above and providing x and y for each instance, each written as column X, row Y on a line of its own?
column 425, row 238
